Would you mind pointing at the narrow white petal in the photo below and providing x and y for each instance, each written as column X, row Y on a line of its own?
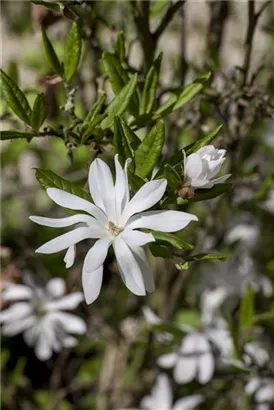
column 16, row 292
column 76, row 203
column 30, row 335
column 70, row 323
column 129, row 267
column 145, row 198
column 252, row 385
column 150, row 316
column 56, row 287
column 161, row 393
column 201, row 183
column 70, row 341
column 220, row 180
column 206, row 367
column 136, row 238
column 15, row 312
column 167, row 360
column 16, row 327
column 43, row 348
column 97, row 255
column 62, row 222
column 102, row 188
column 67, row 302
column 188, row 402
column 194, row 167
column 92, row 283
column 185, row 370
column 70, row 256
column 164, row 221
column 146, row 270
column 66, row 240
column 121, row 187
column 265, row 393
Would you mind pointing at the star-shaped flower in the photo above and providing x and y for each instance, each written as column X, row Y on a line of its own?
column 114, row 219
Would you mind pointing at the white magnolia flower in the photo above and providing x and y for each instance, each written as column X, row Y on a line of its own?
column 114, row 220
column 263, row 391
column 201, row 167
column 161, row 397
column 194, row 359
column 39, row 314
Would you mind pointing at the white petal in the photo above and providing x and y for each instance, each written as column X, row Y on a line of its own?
column 220, row 180
column 207, row 150
column 97, row 255
column 188, row 402
column 102, row 188
column 62, row 222
column 16, row 292
column 161, row 393
column 164, row 221
column 70, row 256
column 56, row 287
column 16, row 327
column 76, row 203
column 43, row 348
column 67, row 302
column 167, row 360
column 201, row 183
column 66, row 240
column 15, row 312
column 150, row 316
column 185, row 370
column 136, row 238
column 129, row 267
column 70, row 323
column 92, row 283
column 30, row 335
column 265, row 393
column 70, row 341
column 145, row 198
column 194, row 167
column 146, row 270
column 121, row 186
column 206, row 363
column 252, row 385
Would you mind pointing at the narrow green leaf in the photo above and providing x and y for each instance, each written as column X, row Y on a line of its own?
column 234, row 331
column 135, row 182
column 15, row 98
column 206, row 256
column 149, row 151
column 118, row 78
column 120, row 103
column 173, row 178
column 10, row 135
column 120, row 142
column 48, row 179
column 131, row 137
column 119, row 47
column 165, row 108
column 191, row 90
column 169, row 328
column 150, row 87
column 189, row 317
column 205, row 140
column 171, row 239
column 95, row 109
column 39, row 112
column 247, row 309
column 72, row 51
column 92, row 130
column 160, row 251
column 51, row 55
column 263, row 317
column 13, row 72
column 48, row 5
column 204, row 194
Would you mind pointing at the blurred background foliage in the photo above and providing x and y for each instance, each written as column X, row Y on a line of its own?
column 114, row 364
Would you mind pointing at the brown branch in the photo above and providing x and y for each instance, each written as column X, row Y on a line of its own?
column 167, row 18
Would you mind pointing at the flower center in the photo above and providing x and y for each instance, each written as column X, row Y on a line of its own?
column 113, row 229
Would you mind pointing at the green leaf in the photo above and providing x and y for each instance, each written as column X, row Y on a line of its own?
column 234, row 331
column 262, row 317
column 120, row 142
column 95, row 110
column 131, row 137
column 9, row 135
column 15, row 98
column 171, row 239
column 149, row 151
column 189, row 317
column 247, row 309
column 165, row 108
column 150, row 87
column 48, row 5
column 51, row 55
column 119, row 47
column 13, row 72
column 173, row 178
column 120, row 103
column 191, row 90
column 204, row 194
column 206, row 256
column 39, row 112
column 205, row 140
column 135, row 182
column 72, row 51
column 118, row 78
column 169, row 328
column 48, row 179
column 160, row 251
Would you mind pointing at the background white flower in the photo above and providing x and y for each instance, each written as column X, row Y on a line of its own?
column 263, row 391
column 161, row 397
column 38, row 313
column 201, row 167
column 113, row 219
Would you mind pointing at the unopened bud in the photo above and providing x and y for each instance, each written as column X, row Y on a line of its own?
column 186, row 192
